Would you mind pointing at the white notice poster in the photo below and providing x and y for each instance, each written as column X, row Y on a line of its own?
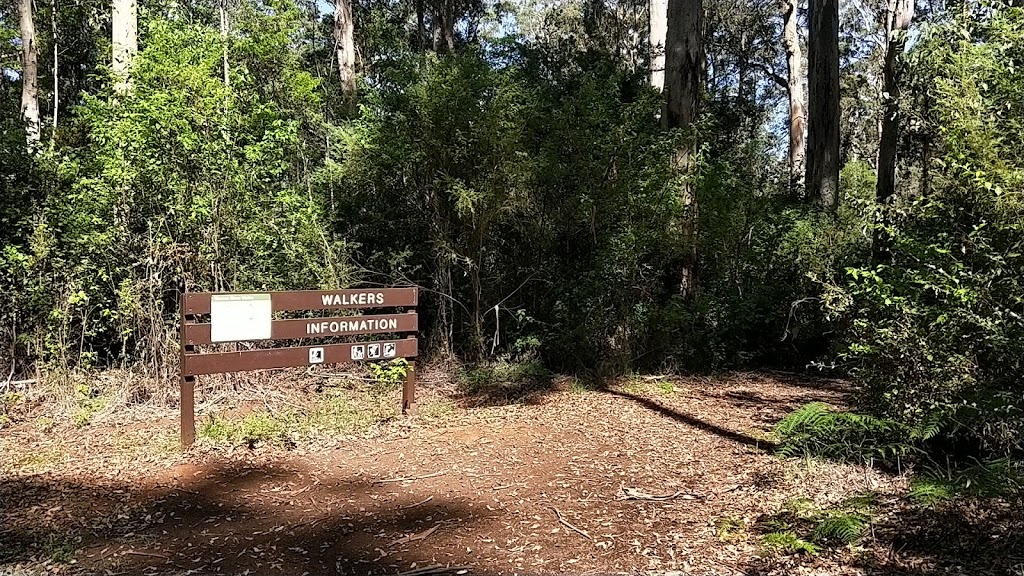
column 235, row 317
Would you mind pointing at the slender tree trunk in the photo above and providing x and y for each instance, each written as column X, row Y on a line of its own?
column 56, row 69
column 444, row 30
column 898, row 18
column 125, row 42
column 421, row 30
column 684, row 66
column 345, row 44
column 899, row 14
column 823, row 104
column 29, row 75
column 224, row 40
column 658, row 30
column 795, row 88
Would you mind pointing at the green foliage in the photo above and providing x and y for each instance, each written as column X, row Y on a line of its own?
column 802, row 527
column 937, row 335
column 998, row 478
column 88, row 403
column 730, row 528
column 390, row 374
column 786, row 542
column 816, row 430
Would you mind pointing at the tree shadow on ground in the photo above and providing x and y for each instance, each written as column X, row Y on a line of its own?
column 693, row 421
column 229, row 519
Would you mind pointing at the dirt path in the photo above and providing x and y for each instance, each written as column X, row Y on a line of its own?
column 529, row 488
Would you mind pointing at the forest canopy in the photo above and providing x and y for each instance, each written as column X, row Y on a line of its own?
column 597, row 186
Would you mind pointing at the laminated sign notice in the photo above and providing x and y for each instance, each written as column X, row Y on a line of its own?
column 236, row 317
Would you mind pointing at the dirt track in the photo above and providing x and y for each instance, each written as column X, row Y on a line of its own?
column 532, row 487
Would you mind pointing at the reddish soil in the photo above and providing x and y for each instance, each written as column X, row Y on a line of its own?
column 534, row 486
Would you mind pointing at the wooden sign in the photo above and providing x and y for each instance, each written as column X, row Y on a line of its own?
column 248, row 317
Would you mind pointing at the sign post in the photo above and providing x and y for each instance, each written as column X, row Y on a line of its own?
column 239, row 317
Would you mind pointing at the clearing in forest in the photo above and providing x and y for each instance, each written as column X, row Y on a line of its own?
column 645, row 476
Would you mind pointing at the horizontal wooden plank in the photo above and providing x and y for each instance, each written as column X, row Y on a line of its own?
column 198, row 364
column 199, row 302
column 321, row 327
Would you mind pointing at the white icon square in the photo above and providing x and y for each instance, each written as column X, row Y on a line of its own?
column 373, row 350
column 358, row 352
column 316, row 355
column 389, row 349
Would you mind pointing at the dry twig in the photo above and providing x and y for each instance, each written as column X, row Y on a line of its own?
column 565, row 523
column 414, row 537
column 410, row 478
column 435, row 569
column 429, row 498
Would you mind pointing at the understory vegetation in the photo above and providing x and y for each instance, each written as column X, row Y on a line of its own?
column 525, row 178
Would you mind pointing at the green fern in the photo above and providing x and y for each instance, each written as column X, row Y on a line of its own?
column 839, row 527
column 786, row 542
column 816, row 430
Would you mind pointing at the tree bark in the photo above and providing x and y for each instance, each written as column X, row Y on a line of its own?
column 899, row 14
column 224, row 40
column 444, row 30
column 823, row 104
column 345, row 45
column 795, row 89
column 420, row 28
column 658, row 31
column 898, row 17
column 29, row 75
column 56, row 69
column 684, row 67
column 124, row 41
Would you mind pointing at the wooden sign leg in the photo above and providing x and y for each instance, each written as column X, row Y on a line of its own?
column 409, row 389
column 188, row 411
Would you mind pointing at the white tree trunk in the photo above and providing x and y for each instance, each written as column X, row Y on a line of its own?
column 658, row 32
column 29, row 74
column 795, row 88
column 125, row 42
column 344, row 41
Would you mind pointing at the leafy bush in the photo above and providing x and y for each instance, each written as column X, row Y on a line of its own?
column 938, row 323
column 816, row 430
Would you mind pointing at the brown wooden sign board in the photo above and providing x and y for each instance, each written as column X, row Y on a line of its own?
column 247, row 316
column 199, row 302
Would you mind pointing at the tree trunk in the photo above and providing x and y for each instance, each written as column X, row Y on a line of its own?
column 823, row 104
column 124, row 41
column 898, row 18
column 684, row 66
column 795, row 88
column 345, row 44
column 420, row 28
column 444, row 30
column 224, row 40
column 56, row 69
column 29, row 75
column 658, row 31
column 899, row 14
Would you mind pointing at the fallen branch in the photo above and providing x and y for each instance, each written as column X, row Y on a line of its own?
column 415, row 537
column 636, row 494
column 410, row 478
column 435, row 569
column 429, row 498
column 565, row 523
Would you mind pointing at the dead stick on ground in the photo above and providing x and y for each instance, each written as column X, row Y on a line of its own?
column 404, row 479
column 414, row 537
column 429, row 498
column 435, row 569
column 570, row 526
